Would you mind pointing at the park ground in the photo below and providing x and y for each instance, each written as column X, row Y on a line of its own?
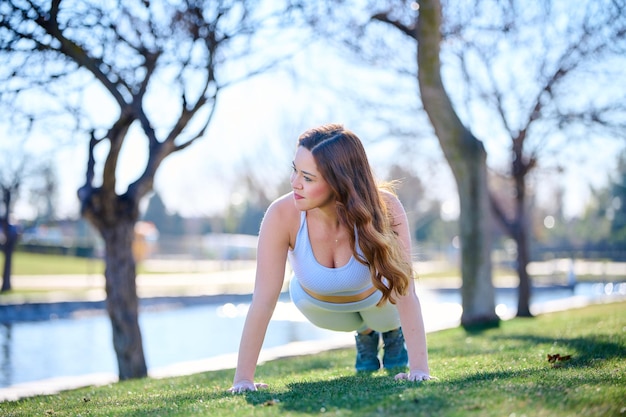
column 568, row 363
column 500, row 371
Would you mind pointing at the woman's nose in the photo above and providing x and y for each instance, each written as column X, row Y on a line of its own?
column 295, row 183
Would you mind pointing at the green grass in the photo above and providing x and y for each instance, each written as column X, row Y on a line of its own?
column 498, row 372
column 25, row 263
column 38, row 264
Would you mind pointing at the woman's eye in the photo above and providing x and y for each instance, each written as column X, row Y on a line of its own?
column 294, row 171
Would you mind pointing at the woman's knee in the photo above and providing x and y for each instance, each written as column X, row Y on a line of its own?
column 382, row 319
column 342, row 322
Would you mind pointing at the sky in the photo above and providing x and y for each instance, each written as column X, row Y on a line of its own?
column 255, row 128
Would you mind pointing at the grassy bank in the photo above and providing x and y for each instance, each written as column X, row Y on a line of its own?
column 497, row 372
column 37, row 264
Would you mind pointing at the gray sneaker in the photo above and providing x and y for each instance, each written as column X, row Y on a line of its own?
column 367, row 352
column 395, row 354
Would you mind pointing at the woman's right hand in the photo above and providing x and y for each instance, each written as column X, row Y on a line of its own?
column 245, row 385
column 414, row 375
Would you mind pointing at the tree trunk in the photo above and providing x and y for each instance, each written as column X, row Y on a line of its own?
column 467, row 159
column 477, row 292
column 10, row 237
column 10, row 234
column 517, row 227
column 122, row 300
column 524, row 294
column 520, row 235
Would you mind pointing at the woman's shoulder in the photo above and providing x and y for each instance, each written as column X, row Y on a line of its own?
column 392, row 202
column 284, row 208
column 389, row 196
column 282, row 219
column 284, row 202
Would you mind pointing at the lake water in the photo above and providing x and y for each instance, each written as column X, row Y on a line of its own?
column 34, row 351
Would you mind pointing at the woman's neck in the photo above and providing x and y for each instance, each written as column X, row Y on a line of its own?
column 326, row 216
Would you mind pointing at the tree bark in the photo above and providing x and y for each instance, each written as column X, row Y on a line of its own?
column 467, row 159
column 521, row 229
column 10, row 235
column 122, row 300
column 524, row 288
column 10, row 240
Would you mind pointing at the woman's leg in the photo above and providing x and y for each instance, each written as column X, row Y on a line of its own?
column 344, row 317
column 367, row 345
column 386, row 320
column 395, row 354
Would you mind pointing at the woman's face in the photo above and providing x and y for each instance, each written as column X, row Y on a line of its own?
column 310, row 189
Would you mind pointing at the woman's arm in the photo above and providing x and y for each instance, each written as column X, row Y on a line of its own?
column 272, row 250
column 415, row 336
column 408, row 305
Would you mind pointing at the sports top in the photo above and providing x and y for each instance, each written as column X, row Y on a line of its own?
column 351, row 278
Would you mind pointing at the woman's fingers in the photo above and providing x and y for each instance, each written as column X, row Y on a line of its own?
column 414, row 376
column 246, row 386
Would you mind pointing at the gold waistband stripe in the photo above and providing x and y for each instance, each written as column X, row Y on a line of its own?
column 341, row 299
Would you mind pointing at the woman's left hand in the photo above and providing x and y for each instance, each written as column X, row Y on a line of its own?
column 415, row 375
column 246, row 385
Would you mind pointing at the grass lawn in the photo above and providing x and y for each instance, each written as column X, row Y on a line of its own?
column 38, row 264
column 497, row 372
column 25, row 263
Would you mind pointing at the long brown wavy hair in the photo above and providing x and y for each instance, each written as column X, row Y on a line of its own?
column 342, row 161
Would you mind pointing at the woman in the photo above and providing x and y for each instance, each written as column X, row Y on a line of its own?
column 348, row 243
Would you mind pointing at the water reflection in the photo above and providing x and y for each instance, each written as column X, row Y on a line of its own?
column 39, row 350
column 32, row 351
column 5, row 357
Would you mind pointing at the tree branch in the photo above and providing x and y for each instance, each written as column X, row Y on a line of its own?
column 410, row 31
column 76, row 52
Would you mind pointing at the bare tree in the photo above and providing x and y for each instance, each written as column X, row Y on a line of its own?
column 10, row 184
column 158, row 68
column 19, row 171
column 468, row 160
column 522, row 67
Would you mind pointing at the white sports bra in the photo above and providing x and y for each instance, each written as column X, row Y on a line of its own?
column 352, row 278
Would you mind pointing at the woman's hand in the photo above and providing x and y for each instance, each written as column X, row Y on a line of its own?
column 414, row 375
column 245, row 385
